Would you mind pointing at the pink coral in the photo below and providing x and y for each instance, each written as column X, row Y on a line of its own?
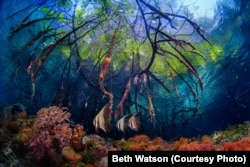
column 50, row 132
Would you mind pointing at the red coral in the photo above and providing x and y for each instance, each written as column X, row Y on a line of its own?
column 158, row 144
column 192, row 146
column 184, row 145
column 50, row 132
column 241, row 145
column 206, row 146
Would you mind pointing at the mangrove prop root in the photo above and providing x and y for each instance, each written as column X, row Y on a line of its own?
column 150, row 106
column 124, row 97
column 40, row 61
column 105, row 66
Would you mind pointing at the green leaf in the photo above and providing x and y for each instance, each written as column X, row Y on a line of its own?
column 65, row 50
column 61, row 18
column 216, row 52
column 79, row 12
column 45, row 10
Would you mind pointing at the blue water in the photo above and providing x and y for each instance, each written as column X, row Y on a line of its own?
column 223, row 102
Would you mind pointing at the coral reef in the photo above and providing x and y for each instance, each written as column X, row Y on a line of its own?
column 95, row 148
column 50, row 132
column 158, row 144
column 138, row 142
column 71, row 156
column 241, row 145
column 23, row 135
column 14, row 118
column 76, row 139
column 51, row 141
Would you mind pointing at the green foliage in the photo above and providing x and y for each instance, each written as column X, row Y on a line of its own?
column 160, row 66
column 84, row 51
column 126, row 46
column 79, row 12
column 45, row 10
column 65, row 49
column 176, row 65
column 216, row 53
column 93, row 40
column 79, row 16
column 61, row 18
column 63, row 3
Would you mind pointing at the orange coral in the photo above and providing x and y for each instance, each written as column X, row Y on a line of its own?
column 138, row 142
column 158, row 141
column 139, row 139
column 76, row 139
column 158, row 144
column 181, row 142
column 89, row 165
column 154, row 148
column 136, row 146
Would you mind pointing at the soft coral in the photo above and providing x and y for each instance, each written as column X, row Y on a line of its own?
column 241, row 145
column 50, row 132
